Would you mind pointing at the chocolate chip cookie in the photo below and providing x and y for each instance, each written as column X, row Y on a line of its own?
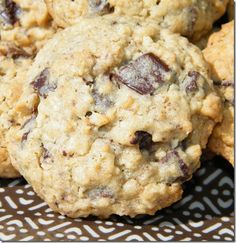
column 14, row 63
column 190, row 18
column 116, row 114
column 220, row 55
column 26, row 23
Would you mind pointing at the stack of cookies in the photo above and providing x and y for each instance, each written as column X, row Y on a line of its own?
column 106, row 106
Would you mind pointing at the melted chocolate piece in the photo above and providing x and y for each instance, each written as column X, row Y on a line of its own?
column 99, row 192
column 16, row 52
column 144, row 140
column 144, row 74
column 102, row 102
column 100, row 7
column 190, row 81
column 10, row 12
column 41, row 84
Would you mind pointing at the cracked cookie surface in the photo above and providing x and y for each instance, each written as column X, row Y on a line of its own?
column 14, row 63
column 116, row 114
column 220, row 55
column 190, row 18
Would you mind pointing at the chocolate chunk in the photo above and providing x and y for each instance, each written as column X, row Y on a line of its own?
column 144, row 140
column 100, row 7
column 41, row 84
column 65, row 154
column 192, row 16
column 144, row 74
column 102, row 102
column 190, row 81
column 174, row 156
column 28, row 127
column 89, row 113
column 16, row 52
column 101, row 192
column 183, row 168
column 185, row 172
column 9, row 14
column 46, row 155
column 224, row 83
column 192, row 85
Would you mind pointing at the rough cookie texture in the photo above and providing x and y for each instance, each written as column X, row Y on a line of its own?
column 14, row 63
column 116, row 114
column 220, row 55
column 191, row 18
column 202, row 43
column 26, row 23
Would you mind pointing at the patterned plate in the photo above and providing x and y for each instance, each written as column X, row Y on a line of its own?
column 206, row 212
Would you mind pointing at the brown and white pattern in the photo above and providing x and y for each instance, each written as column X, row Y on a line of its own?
column 206, row 212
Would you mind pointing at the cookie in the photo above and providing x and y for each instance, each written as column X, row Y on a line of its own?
column 116, row 114
column 14, row 63
column 191, row 18
column 202, row 43
column 220, row 55
column 26, row 23
column 230, row 9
